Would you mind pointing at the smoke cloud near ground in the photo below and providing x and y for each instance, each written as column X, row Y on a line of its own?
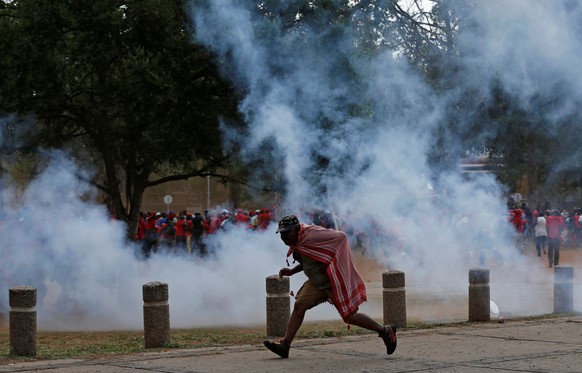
column 313, row 98
column 305, row 85
column 88, row 277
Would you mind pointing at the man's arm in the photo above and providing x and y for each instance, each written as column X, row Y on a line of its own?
column 290, row 271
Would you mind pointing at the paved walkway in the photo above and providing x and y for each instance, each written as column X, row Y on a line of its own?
column 545, row 345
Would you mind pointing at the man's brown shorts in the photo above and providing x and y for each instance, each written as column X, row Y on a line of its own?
column 311, row 296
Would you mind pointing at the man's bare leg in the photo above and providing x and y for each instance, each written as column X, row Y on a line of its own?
column 295, row 321
column 387, row 333
column 364, row 321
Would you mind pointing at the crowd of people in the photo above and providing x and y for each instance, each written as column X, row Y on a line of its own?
column 547, row 229
column 185, row 232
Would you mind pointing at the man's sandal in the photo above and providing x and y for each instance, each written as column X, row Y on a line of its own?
column 388, row 335
column 280, row 349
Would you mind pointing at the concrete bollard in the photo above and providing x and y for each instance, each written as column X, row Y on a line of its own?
column 22, row 301
column 479, row 295
column 156, row 314
column 394, row 298
column 278, row 305
column 563, row 289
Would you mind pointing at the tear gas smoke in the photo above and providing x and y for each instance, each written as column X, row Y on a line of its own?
column 300, row 79
column 313, row 98
column 89, row 278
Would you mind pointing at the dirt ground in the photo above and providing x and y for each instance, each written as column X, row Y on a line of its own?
column 518, row 291
column 371, row 270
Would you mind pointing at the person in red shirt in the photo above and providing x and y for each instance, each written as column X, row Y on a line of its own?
column 555, row 225
column 242, row 218
column 181, row 227
column 224, row 215
column 264, row 219
column 518, row 221
column 188, row 229
column 151, row 240
column 211, row 223
column 519, row 224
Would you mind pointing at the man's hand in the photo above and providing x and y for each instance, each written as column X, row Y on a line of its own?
column 290, row 271
column 286, row 272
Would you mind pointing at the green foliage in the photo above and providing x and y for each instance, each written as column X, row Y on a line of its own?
column 486, row 116
column 118, row 83
column 122, row 86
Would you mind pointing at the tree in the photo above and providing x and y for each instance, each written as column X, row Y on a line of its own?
column 121, row 86
column 528, row 134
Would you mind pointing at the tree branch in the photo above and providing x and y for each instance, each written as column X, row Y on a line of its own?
column 203, row 174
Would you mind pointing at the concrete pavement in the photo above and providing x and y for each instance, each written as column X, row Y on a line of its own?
column 542, row 345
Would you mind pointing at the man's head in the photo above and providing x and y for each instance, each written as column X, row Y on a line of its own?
column 288, row 227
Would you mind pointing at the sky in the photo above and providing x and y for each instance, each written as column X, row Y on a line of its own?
column 89, row 278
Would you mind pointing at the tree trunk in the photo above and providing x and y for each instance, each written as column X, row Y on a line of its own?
column 134, row 207
column 135, row 186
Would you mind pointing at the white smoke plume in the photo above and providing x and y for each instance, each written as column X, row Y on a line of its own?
column 297, row 83
column 89, row 277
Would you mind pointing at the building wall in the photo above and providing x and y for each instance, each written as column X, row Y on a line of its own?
column 200, row 193
column 195, row 194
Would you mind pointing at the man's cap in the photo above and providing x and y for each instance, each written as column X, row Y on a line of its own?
column 287, row 223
